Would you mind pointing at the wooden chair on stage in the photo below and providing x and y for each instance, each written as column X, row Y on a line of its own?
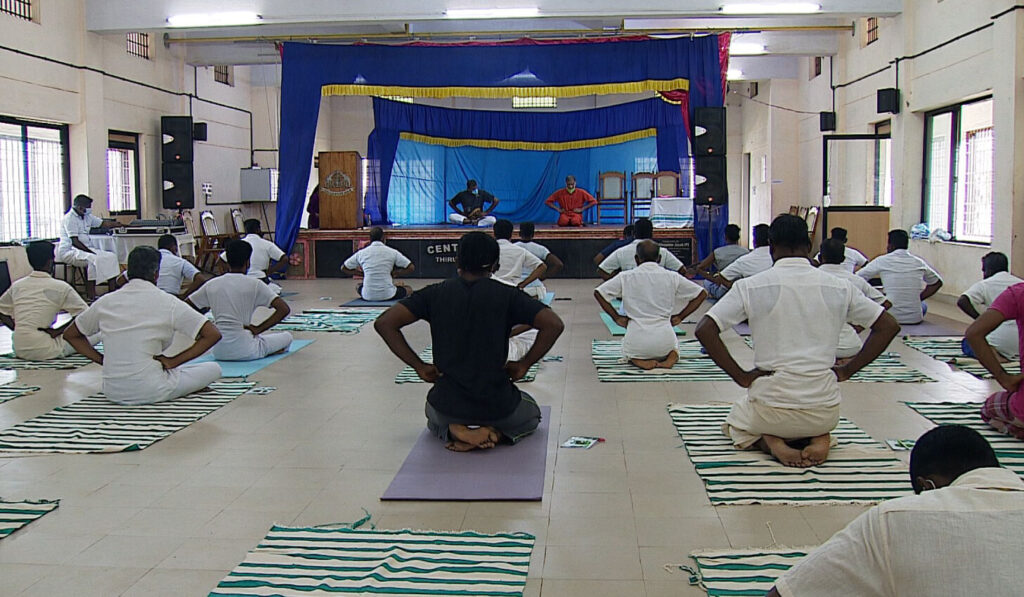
column 238, row 222
column 210, row 242
column 640, row 197
column 611, row 196
column 666, row 184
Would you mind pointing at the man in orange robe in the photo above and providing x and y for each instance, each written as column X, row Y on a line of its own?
column 570, row 203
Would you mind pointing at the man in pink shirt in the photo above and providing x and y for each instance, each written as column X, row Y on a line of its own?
column 1003, row 410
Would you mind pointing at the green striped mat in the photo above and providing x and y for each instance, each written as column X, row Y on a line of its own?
column 344, row 321
column 95, row 424
column 692, row 365
column 9, row 361
column 1010, row 450
column 948, row 349
column 14, row 515
column 408, row 374
column 744, row 572
column 303, row 561
column 887, row 368
column 858, row 471
column 12, row 391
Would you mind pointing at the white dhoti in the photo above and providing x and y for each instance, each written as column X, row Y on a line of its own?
column 484, row 222
column 178, row 382
column 519, row 345
column 251, row 348
column 648, row 342
column 748, row 420
column 100, row 266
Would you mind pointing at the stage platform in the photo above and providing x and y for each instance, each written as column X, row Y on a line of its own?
column 433, row 248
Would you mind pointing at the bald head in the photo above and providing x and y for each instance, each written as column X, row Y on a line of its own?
column 646, row 251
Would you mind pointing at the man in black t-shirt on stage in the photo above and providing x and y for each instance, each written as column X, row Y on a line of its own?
column 474, row 403
column 469, row 207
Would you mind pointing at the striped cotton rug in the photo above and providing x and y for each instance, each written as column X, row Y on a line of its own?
column 948, row 349
column 1010, row 450
column 858, row 470
column 95, row 424
column 408, row 374
column 14, row 515
column 9, row 361
column 304, row 561
column 739, row 572
column 344, row 321
column 887, row 368
column 692, row 365
column 12, row 391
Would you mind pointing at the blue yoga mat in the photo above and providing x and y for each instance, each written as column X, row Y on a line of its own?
column 617, row 330
column 247, row 368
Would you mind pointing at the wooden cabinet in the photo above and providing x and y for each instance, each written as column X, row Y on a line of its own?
column 341, row 190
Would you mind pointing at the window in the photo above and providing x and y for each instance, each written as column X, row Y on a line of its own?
column 883, row 165
column 33, row 179
column 754, row 90
column 816, row 66
column 870, row 30
column 138, row 44
column 18, row 8
column 534, row 102
column 224, row 74
column 958, row 188
column 123, row 173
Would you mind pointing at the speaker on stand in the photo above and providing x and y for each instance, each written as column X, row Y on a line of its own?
column 176, row 134
column 709, row 163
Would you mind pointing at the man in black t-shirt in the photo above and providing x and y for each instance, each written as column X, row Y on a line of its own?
column 473, row 403
column 469, row 207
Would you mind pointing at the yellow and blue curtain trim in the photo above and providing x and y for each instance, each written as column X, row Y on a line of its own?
column 531, row 145
column 508, row 92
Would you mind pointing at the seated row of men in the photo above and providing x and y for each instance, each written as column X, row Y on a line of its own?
column 137, row 323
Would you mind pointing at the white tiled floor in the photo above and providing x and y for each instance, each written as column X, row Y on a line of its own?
column 176, row 517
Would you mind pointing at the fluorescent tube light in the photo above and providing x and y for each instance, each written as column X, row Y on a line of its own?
column 214, row 19
column 771, row 8
column 746, row 48
column 492, row 13
column 733, row 74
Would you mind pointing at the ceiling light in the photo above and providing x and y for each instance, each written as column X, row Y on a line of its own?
column 214, row 19
column 733, row 74
column 492, row 13
column 744, row 48
column 771, row 8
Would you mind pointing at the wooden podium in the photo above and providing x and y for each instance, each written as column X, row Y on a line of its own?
column 341, row 190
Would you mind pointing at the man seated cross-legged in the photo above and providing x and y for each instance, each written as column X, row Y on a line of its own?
column 137, row 324
column 473, row 403
column 1004, row 410
column 233, row 299
column 654, row 301
column 379, row 263
column 796, row 313
column 832, row 258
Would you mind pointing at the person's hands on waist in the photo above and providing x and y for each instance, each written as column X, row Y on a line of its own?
column 747, row 378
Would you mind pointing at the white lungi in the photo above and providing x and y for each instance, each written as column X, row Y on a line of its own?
column 748, row 420
column 485, row 222
column 519, row 345
column 648, row 342
column 537, row 290
column 100, row 266
column 249, row 349
column 175, row 383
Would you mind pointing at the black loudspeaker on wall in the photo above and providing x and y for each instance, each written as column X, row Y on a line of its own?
column 176, row 135
column 709, row 131
column 712, row 185
column 827, row 121
column 889, row 101
column 178, row 186
column 176, row 152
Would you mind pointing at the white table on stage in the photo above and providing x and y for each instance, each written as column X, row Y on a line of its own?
column 672, row 212
column 122, row 244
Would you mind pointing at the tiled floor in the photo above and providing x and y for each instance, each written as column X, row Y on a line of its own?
column 176, row 517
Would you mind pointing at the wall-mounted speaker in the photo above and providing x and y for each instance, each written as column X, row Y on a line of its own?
column 176, row 138
column 827, row 121
column 712, row 184
column 199, row 131
column 709, row 133
column 178, row 185
column 889, row 101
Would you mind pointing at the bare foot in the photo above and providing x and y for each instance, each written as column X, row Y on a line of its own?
column 817, row 451
column 457, row 446
column 645, row 364
column 477, row 438
column 669, row 361
column 788, row 456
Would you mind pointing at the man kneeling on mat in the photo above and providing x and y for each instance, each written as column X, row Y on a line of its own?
column 474, row 403
column 796, row 313
column 654, row 300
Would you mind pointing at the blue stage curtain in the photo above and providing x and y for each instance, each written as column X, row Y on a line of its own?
column 565, row 70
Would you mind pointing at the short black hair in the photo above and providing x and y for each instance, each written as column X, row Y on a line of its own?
column 648, row 250
column 949, row 451
column 995, row 262
column 833, row 251
column 643, row 229
column 899, row 239
column 790, row 232
column 376, row 233
column 839, row 234
column 527, row 230
column 238, row 252
column 762, row 235
column 503, row 229
column 144, row 263
column 470, row 183
column 82, row 200
column 166, row 242
column 40, row 254
column 252, row 226
column 732, row 233
column 478, row 252
column 627, row 231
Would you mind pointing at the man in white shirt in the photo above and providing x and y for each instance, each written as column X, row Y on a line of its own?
column 960, row 535
column 553, row 263
column 720, row 259
column 996, row 278
column 751, row 264
column 378, row 263
column 832, row 258
column 796, row 313
column 73, row 249
column 31, row 304
column 513, row 260
column 138, row 323
column 906, row 279
column 624, row 258
column 852, row 258
column 263, row 252
column 233, row 299
column 654, row 301
column 174, row 270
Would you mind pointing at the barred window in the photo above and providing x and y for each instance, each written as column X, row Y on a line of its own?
column 870, row 30
column 224, row 74
column 18, row 8
column 123, row 173
column 33, row 179
column 138, row 44
column 534, row 102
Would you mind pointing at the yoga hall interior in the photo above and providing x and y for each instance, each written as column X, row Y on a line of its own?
column 312, row 471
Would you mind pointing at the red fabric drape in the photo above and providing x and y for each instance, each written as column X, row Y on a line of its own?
column 682, row 97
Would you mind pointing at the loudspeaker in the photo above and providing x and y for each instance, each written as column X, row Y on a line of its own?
column 827, row 121
column 709, row 131
column 199, row 131
column 889, row 101
column 712, row 185
column 176, row 135
column 178, row 185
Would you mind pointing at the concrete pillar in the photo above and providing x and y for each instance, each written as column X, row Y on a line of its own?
column 1008, row 93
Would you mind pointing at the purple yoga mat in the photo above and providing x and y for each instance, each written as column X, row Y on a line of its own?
column 934, row 327
column 503, row 473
